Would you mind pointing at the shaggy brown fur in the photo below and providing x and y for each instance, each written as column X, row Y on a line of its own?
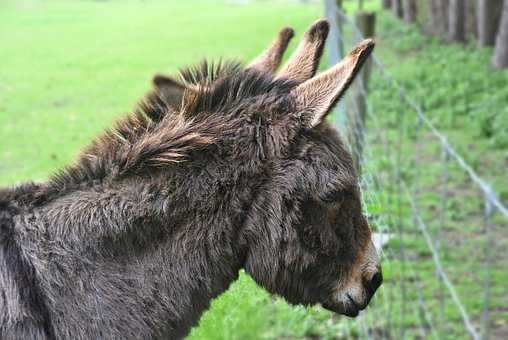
column 227, row 168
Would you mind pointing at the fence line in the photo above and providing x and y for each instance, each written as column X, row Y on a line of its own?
column 439, row 266
column 490, row 194
column 491, row 201
column 425, row 232
column 433, row 248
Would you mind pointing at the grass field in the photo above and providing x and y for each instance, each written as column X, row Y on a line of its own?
column 70, row 68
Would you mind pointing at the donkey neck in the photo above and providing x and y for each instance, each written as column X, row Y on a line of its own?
column 134, row 244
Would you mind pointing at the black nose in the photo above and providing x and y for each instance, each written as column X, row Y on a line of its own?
column 375, row 282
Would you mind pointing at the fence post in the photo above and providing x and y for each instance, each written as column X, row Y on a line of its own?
column 444, row 195
column 338, row 3
column 489, row 211
column 399, row 225
column 366, row 22
column 335, row 47
column 387, row 4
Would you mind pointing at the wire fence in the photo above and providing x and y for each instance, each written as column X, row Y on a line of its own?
column 444, row 223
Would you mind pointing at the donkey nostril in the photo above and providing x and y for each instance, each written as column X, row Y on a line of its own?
column 376, row 281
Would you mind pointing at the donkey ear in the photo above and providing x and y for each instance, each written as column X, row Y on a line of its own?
column 316, row 97
column 160, row 80
column 269, row 60
column 305, row 60
column 170, row 90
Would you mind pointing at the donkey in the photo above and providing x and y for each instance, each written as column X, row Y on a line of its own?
column 228, row 168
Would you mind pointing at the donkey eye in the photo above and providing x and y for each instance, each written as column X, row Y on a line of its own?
column 333, row 197
column 310, row 237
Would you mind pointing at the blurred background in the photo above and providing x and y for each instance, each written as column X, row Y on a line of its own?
column 427, row 123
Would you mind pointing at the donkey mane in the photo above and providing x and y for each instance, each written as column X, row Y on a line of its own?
column 156, row 136
column 232, row 85
column 206, row 72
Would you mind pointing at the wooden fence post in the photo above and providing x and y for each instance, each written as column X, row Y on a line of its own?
column 410, row 8
column 335, row 46
column 387, row 4
column 366, row 22
column 397, row 8
column 489, row 16
column 339, row 25
column 457, row 21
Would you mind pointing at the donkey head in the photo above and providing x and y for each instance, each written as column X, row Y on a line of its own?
column 305, row 236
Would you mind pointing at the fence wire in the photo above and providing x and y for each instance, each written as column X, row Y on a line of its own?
column 442, row 220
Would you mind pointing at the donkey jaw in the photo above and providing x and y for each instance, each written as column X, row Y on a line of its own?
column 354, row 296
column 346, row 310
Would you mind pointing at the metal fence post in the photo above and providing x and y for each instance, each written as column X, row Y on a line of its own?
column 489, row 244
column 445, row 158
column 402, row 252
column 334, row 42
column 366, row 22
column 335, row 48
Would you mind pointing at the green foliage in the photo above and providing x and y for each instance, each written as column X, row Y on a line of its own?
column 454, row 83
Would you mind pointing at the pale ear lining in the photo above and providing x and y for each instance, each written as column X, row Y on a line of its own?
column 304, row 62
column 316, row 97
